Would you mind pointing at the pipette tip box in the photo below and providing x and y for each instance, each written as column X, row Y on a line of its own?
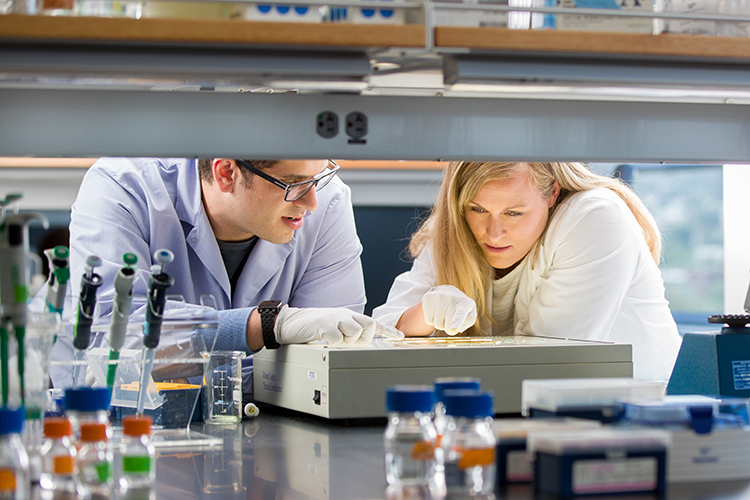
column 593, row 398
column 600, row 461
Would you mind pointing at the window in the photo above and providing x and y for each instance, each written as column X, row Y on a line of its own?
column 687, row 203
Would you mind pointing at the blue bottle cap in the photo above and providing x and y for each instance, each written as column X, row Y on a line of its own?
column 468, row 403
column 409, row 398
column 11, row 421
column 87, row 399
column 446, row 383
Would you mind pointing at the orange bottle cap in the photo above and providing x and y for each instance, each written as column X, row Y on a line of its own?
column 57, row 427
column 7, row 480
column 136, row 425
column 93, row 431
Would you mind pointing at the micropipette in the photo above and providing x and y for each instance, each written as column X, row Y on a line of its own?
column 59, row 275
column 158, row 283
column 120, row 312
column 90, row 282
column 5, row 325
column 10, row 200
column 14, row 289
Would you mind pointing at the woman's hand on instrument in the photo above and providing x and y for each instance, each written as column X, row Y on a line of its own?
column 449, row 309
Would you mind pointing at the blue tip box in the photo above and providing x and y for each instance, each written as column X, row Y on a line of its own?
column 600, row 461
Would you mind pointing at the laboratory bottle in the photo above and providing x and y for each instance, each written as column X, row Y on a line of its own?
column 443, row 384
column 58, row 456
column 468, row 446
column 138, row 454
column 14, row 461
column 87, row 404
column 57, row 7
column 94, row 461
column 410, row 436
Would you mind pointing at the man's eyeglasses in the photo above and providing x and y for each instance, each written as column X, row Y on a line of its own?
column 298, row 189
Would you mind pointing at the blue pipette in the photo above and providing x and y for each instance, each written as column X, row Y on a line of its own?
column 90, row 282
column 59, row 275
column 120, row 312
column 158, row 283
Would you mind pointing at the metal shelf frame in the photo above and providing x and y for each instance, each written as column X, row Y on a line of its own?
column 146, row 90
column 71, row 122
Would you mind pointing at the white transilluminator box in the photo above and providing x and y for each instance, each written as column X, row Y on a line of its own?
column 350, row 382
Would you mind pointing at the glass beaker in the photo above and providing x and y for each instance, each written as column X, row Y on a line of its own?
column 222, row 387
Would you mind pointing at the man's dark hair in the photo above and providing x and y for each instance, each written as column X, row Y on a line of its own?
column 204, row 168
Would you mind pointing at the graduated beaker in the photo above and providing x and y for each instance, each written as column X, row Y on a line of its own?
column 222, row 387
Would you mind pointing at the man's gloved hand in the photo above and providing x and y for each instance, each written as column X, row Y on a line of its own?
column 334, row 325
column 449, row 309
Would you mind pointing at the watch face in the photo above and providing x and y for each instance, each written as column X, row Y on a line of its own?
column 270, row 304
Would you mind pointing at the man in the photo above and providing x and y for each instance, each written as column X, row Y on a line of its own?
column 241, row 231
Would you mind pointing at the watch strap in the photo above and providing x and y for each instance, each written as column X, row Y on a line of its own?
column 268, row 311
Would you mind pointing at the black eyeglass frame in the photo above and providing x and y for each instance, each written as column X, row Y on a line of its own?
column 326, row 175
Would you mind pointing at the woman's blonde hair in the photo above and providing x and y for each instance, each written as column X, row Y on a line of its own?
column 459, row 260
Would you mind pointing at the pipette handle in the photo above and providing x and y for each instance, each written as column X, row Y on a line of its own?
column 90, row 282
column 14, row 272
column 14, row 286
column 59, row 275
column 158, row 284
column 157, row 294
column 123, row 298
column 120, row 312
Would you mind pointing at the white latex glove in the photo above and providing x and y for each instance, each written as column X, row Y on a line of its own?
column 334, row 325
column 449, row 309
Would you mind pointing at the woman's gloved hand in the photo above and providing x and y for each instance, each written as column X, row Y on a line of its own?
column 334, row 325
column 449, row 309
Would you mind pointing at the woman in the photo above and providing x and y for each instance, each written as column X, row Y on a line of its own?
column 548, row 249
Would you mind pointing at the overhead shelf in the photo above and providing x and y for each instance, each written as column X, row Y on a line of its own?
column 621, row 44
column 237, row 54
column 17, row 28
column 210, row 31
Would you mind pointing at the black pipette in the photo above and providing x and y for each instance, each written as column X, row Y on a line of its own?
column 158, row 283
column 90, row 282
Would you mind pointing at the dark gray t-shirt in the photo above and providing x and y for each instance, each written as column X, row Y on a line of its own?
column 234, row 254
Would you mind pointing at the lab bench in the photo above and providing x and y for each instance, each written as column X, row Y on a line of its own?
column 287, row 455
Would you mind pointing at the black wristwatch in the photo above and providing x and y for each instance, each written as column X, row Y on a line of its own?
column 268, row 309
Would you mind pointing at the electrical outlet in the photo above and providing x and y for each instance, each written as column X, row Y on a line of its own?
column 356, row 125
column 327, row 124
